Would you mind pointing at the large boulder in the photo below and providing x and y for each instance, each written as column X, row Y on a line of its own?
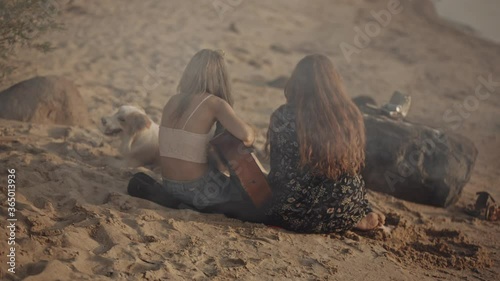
column 415, row 162
column 46, row 100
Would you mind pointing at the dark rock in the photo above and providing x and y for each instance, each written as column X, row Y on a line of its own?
column 280, row 49
column 364, row 101
column 45, row 100
column 415, row 162
column 233, row 28
column 279, row 82
column 255, row 63
column 77, row 10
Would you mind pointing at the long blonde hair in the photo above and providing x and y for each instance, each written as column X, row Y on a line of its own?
column 330, row 128
column 206, row 72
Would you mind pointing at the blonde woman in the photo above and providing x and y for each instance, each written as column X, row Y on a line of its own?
column 188, row 123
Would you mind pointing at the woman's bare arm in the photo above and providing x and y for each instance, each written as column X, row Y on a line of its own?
column 225, row 114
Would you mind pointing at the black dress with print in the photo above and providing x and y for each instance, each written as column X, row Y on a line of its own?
column 302, row 200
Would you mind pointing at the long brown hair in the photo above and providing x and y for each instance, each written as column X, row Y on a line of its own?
column 206, row 72
column 330, row 128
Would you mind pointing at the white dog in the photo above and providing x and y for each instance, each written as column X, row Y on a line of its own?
column 138, row 133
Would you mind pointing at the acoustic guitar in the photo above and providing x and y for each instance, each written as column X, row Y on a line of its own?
column 243, row 165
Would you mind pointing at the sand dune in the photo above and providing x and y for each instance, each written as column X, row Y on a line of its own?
column 76, row 222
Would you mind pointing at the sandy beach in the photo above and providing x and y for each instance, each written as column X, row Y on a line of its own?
column 75, row 220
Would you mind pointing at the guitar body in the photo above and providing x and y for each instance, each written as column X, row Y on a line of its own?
column 244, row 166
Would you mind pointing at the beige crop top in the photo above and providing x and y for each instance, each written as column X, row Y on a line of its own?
column 184, row 145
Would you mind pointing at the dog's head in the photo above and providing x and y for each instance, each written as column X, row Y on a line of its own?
column 127, row 120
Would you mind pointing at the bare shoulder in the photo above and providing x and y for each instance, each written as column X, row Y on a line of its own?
column 217, row 103
column 215, row 99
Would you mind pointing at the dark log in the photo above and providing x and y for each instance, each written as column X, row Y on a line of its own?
column 415, row 162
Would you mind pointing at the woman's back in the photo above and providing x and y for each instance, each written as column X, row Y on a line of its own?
column 192, row 129
column 190, row 133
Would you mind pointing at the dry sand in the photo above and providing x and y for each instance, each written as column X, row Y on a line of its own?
column 76, row 222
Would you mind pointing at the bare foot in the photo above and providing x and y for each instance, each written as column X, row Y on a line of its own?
column 371, row 221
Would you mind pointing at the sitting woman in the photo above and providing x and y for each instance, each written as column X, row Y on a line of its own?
column 316, row 143
column 188, row 124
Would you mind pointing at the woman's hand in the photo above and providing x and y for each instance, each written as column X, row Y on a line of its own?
column 251, row 140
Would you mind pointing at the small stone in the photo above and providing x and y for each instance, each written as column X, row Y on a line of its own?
column 233, row 28
column 279, row 82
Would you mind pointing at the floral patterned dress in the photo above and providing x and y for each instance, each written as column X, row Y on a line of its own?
column 304, row 201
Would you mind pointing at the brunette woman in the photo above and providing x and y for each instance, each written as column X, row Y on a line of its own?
column 317, row 142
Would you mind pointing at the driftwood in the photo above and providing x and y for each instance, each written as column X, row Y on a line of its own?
column 415, row 162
